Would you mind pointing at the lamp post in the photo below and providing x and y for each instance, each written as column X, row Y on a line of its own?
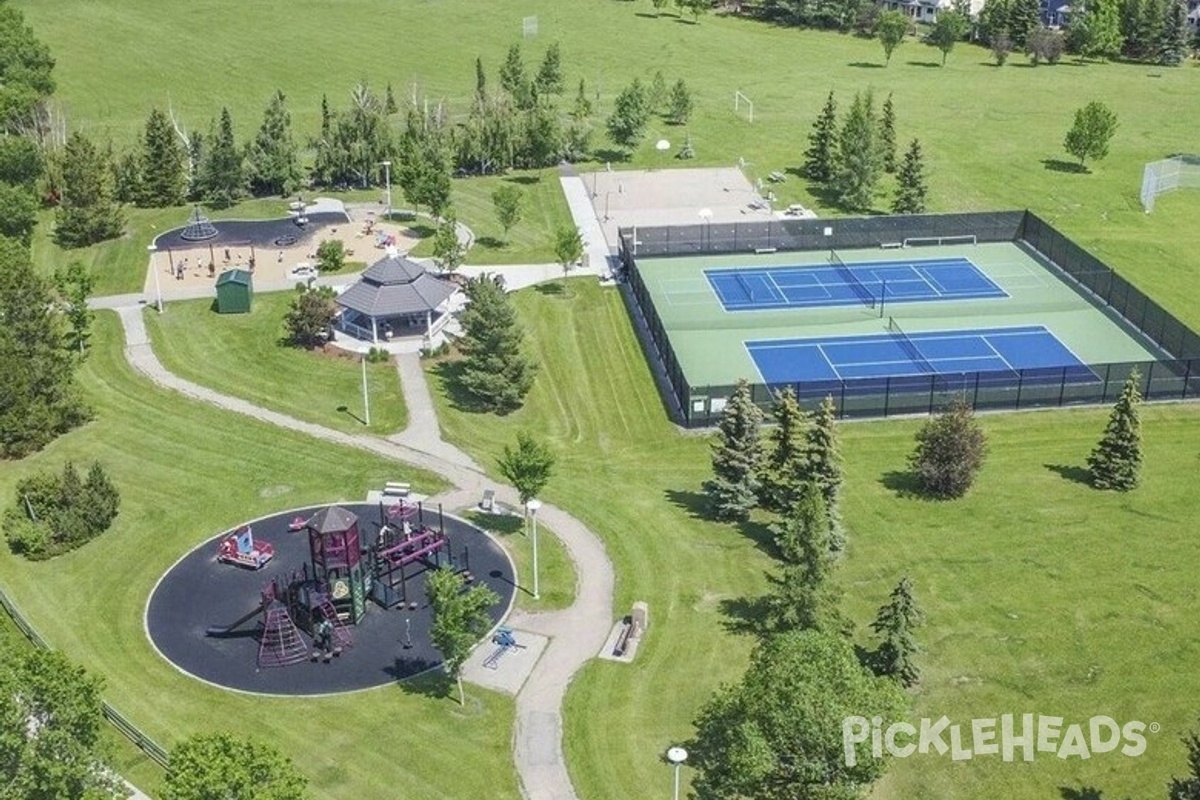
column 387, row 178
column 366, row 397
column 153, row 248
column 676, row 755
column 532, row 506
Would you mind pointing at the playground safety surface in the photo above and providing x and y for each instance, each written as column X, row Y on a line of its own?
column 198, row 593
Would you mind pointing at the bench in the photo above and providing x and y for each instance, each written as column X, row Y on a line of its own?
column 763, row 250
column 623, row 639
column 396, row 489
column 891, row 245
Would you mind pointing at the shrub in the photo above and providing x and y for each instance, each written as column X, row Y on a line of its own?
column 53, row 514
column 950, row 451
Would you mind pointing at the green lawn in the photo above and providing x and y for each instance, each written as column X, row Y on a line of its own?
column 241, row 355
column 1043, row 595
column 992, row 137
column 187, row 470
column 556, row 573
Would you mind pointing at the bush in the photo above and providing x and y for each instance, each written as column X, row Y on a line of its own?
column 377, row 355
column 53, row 514
column 950, row 451
column 331, row 255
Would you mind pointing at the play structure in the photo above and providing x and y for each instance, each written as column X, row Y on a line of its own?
column 505, row 642
column 240, row 548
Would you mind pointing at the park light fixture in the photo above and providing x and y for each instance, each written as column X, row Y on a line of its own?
column 532, row 507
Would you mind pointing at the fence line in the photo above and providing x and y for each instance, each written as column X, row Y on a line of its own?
column 147, row 745
column 1174, row 377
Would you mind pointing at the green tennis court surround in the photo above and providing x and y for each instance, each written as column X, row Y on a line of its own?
column 803, row 303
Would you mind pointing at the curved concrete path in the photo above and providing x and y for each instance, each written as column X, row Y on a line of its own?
column 576, row 633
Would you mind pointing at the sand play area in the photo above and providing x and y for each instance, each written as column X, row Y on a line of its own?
column 283, row 251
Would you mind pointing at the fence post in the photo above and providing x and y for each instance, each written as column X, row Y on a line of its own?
column 887, row 394
column 1020, row 383
column 1187, row 377
column 1062, row 387
column 932, row 390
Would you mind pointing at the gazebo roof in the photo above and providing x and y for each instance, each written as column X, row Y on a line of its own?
column 393, row 286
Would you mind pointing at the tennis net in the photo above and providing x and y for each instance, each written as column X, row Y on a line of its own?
column 862, row 291
column 909, row 347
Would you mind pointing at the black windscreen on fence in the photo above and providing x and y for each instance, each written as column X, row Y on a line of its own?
column 1175, row 376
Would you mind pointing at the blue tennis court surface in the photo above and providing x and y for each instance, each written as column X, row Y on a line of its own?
column 852, row 284
column 1000, row 352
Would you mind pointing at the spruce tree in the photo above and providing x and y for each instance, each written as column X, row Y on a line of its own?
column 549, row 78
column 221, row 173
column 784, row 465
column 513, row 79
column 164, row 178
column 495, row 371
column 820, row 158
column 87, row 211
column 736, row 458
column 389, row 102
column 803, row 595
column 480, row 80
column 1174, row 46
column 887, row 135
column 894, row 624
column 1188, row 788
column 679, row 107
column 272, row 165
column 1023, row 17
column 858, row 156
column 823, row 460
column 910, row 182
column 656, row 95
column 1117, row 460
column 950, row 450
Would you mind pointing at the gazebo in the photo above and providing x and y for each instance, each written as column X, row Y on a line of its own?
column 395, row 297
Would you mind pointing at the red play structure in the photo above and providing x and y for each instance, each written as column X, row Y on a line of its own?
column 241, row 549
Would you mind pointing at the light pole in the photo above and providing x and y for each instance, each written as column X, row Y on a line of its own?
column 366, row 397
column 677, row 755
column 533, row 505
column 387, row 178
column 154, row 269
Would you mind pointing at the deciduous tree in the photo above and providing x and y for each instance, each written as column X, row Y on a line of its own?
column 18, row 212
column 74, row 287
column 506, row 200
column 946, row 32
column 736, row 458
column 26, row 68
column 950, row 450
column 311, row 316
column 220, row 765
column 331, row 255
column 778, row 733
column 629, row 116
column 1116, row 463
column 527, row 466
column 1091, row 132
column 460, row 618
column 448, row 250
column 568, row 247
column 891, row 29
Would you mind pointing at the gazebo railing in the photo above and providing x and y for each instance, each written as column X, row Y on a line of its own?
column 355, row 330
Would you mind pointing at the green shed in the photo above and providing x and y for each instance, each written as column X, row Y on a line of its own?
column 235, row 290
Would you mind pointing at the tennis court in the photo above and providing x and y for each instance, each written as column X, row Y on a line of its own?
column 998, row 353
column 870, row 283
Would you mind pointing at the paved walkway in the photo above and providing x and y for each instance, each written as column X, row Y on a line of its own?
column 579, row 200
column 576, row 633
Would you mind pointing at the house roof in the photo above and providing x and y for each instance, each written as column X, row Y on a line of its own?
column 396, row 285
column 239, row 276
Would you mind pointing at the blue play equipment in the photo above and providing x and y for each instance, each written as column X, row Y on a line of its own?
column 504, row 641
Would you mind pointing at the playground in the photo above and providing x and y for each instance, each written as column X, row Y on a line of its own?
column 314, row 619
column 276, row 250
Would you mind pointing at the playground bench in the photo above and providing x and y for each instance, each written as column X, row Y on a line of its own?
column 891, row 245
column 396, row 489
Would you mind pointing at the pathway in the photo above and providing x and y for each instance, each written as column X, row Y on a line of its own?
column 576, row 633
column 579, row 200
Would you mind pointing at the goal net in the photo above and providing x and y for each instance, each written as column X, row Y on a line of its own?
column 1160, row 177
column 743, row 106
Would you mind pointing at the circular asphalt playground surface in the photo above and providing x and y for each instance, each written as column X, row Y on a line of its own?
column 265, row 234
column 198, row 592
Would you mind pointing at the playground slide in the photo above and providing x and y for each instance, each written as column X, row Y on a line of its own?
column 226, row 630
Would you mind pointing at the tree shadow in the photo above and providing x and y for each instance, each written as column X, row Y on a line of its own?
column 744, row 616
column 903, row 484
column 524, row 180
column 761, row 534
column 426, row 682
column 865, row 65
column 926, row 64
column 1080, row 793
column 646, row 15
column 420, row 230
column 1058, row 165
column 1071, row 473
column 608, row 154
column 551, row 289
column 450, row 374
column 694, row 503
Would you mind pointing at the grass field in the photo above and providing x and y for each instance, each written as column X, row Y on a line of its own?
column 241, row 355
column 1043, row 595
column 556, row 575
column 185, row 471
column 992, row 137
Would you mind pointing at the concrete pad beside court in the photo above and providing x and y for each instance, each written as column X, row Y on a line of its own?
column 647, row 198
column 512, row 669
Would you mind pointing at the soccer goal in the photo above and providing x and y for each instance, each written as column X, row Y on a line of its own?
column 939, row 241
column 743, row 106
column 529, row 27
column 1160, row 177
